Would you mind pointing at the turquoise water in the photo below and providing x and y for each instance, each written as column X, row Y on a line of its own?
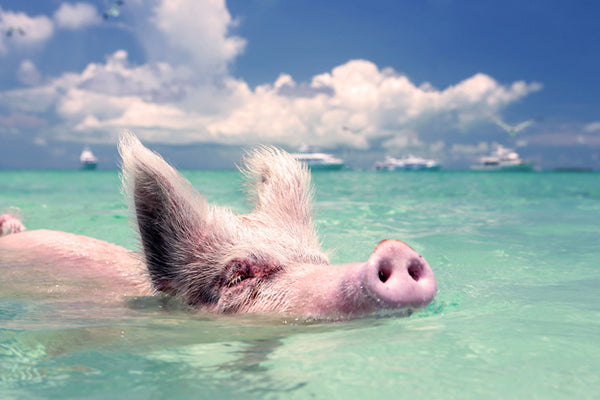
column 517, row 315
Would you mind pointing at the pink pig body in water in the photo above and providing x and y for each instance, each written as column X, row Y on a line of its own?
column 268, row 261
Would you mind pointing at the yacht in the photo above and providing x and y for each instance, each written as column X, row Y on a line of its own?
column 502, row 159
column 316, row 160
column 410, row 163
column 88, row 160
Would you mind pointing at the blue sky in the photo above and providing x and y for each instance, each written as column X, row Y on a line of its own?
column 199, row 80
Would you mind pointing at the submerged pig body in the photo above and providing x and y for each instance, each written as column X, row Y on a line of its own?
column 267, row 261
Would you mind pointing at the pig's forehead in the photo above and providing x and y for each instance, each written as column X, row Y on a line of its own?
column 272, row 246
column 261, row 238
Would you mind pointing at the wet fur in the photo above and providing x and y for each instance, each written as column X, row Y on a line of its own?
column 10, row 223
column 196, row 251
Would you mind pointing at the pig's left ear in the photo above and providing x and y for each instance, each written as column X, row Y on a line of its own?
column 170, row 214
column 280, row 187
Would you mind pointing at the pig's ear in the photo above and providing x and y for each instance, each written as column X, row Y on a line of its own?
column 280, row 187
column 171, row 216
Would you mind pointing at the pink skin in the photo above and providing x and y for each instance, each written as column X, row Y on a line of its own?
column 395, row 277
column 10, row 224
column 267, row 261
column 61, row 266
column 64, row 266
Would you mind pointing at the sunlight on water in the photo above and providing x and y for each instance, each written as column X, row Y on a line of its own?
column 517, row 313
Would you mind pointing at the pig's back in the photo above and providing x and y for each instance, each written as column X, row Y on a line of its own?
column 60, row 265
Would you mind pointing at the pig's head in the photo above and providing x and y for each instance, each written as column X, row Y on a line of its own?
column 267, row 261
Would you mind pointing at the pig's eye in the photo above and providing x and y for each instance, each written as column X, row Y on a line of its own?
column 240, row 272
column 237, row 280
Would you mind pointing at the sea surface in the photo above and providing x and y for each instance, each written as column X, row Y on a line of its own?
column 517, row 315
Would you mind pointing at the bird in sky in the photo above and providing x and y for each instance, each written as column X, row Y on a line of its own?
column 114, row 10
column 512, row 130
column 353, row 130
column 15, row 29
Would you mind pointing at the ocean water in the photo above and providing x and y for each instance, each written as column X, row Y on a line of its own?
column 517, row 316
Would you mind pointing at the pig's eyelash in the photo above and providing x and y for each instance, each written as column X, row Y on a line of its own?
column 240, row 273
column 237, row 280
column 243, row 271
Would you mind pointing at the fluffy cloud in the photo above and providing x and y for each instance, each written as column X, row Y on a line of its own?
column 156, row 82
column 357, row 94
column 564, row 138
column 193, row 33
column 403, row 139
column 76, row 16
column 592, row 127
column 37, row 99
column 162, row 103
column 192, row 98
column 466, row 149
column 28, row 31
column 28, row 73
column 21, row 120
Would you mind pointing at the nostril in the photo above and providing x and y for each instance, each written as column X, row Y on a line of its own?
column 384, row 272
column 415, row 270
column 383, row 276
column 396, row 276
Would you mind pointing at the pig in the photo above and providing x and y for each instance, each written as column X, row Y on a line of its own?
column 268, row 261
column 9, row 223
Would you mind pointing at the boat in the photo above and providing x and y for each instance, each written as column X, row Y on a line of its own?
column 88, row 160
column 409, row 163
column 316, row 160
column 502, row 159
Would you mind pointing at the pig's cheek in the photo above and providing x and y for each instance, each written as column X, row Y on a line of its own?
column 351, row 298
column 335, row 293
column 228, row 301
column 237, row 298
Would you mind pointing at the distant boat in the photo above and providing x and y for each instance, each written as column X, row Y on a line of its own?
column 410, row 163
column 318, row 161
column 502, row 159
column 88, row 160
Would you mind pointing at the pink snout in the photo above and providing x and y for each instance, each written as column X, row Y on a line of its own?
column 398, row 277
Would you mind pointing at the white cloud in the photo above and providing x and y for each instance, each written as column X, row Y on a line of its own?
column 561, row 138
column 157, row 82
column 28, row 73
column 21, row 120
column 437, row 147
column 402, row 140
column 37, row 99
column 192, row 98
column 28, row 31
column 194, row 33
column 380, row 103
column 466, row 149
column 76, row 16
column 162, row 103
column 592, row 127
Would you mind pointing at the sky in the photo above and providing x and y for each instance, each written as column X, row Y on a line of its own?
column 201, row 80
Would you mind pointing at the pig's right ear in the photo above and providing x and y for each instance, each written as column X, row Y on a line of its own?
column 171, row 216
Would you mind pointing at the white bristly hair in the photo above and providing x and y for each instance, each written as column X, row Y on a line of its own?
column 189, row 246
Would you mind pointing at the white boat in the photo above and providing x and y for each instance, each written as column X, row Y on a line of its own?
column 410, row 163
column 88, row 160
column 502, row 159
column 317, row 161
